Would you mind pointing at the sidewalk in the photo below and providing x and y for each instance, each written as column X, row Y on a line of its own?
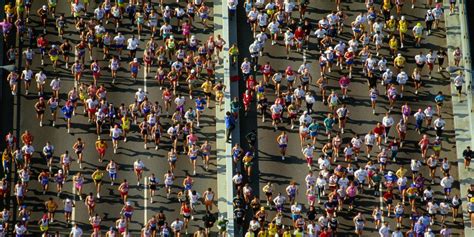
column 457, row 36
column 225, row 170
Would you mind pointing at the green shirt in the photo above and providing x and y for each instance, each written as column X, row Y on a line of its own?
column 329, row 122
column 222, row 224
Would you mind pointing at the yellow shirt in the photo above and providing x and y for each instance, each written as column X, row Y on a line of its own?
column 403, row 26
column 51, row 206
column 393, row 43
column 247, row 159
column 207, row 87
column 387, row 5
column 233, row 51
column 401, row 172
column 100, row 145
column 399, row 61
column 287, row 234
column 391, row 25
column 125, row 123
column 98, row 175
column 6, row 156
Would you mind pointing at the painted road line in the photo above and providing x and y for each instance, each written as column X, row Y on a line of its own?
column 145, row 201
column 73, row 215
column 381, row 200
column 144, row 80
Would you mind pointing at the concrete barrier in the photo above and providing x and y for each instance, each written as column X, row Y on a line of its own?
column 224, row 71
column 457, row 35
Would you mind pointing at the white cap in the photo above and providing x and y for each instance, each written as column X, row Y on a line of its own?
column 403, row 18
column 399, row 54
column 128, row 203
column 60, row 171
column 167, row 7
column 171, row 37
column 193, row 71
column 135, row 59
column 390, row 173
column 392, row 17
column 140, row 89
column 429, row 11
column 53, row 46
column 45, row 7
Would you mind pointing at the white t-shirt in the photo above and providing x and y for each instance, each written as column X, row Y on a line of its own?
column 76, row 232
column 132, row 43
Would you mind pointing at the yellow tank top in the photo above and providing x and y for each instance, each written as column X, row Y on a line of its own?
column 98, row 176
column 387, row 5
column 403, row 26
column 393, row 43
column 125, row 123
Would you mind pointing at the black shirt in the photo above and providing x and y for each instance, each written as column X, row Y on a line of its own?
column 467, row 154
column 209, row 220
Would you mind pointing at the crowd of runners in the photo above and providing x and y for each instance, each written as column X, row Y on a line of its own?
column 93, row 58
column 344, row 166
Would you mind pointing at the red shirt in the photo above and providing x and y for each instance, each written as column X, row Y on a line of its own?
column 251, row 83
column 42, row 42
column 325, row 234
column 247, row 98
column 266, row 69
column 299, row 34
column 379, row 130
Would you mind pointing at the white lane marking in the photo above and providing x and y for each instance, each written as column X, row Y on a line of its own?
column 145, row 202
column 304, row 55
column 381, row 200
column 144, row 80
column 73, row 215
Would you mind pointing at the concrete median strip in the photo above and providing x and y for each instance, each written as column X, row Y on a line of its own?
column 462, row 107
column 225, row 191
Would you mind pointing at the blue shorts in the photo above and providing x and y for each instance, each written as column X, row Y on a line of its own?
column 283, row 145
column 313, row 134
column 447, row 190
column 187, row 187
column 112, row 175
column 295, row 217
column 193, row 157
column 401, row 188
column 115, row 138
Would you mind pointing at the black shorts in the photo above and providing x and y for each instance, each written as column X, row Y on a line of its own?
column 152, row 186
column 207, row 94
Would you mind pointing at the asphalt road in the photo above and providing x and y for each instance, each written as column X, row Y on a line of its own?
column 272, row 168
column 108, row 207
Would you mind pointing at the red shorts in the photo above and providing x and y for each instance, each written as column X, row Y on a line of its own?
column 276, row 116
column 96, row 74
column 123, row 193
column 293, row 115
column 210, row 72
column 101, row 151
column 430, row 66
column 138, row 171
column 92, row 111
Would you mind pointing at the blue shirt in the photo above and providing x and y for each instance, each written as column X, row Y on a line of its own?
column 439, row 98
column 229, row 121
